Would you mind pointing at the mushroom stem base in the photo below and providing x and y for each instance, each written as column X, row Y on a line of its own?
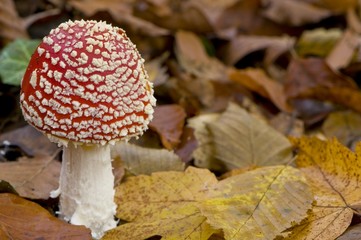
column 87, row 188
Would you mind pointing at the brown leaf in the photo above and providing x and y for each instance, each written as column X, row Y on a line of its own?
column 293, row 12
column 32, row 177
column 243, row 45
column 313, row 78
column 257, row 80
column 352, row 233
column 193, row 57
column 168, row 122
column 25, row 220
column 11, row 25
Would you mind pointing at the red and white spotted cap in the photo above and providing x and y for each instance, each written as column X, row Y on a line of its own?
column 86, row 83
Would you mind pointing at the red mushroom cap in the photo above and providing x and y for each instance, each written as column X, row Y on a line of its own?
column 86, row 83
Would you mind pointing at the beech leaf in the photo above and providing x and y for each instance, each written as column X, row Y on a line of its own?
column 241, row 140
column 333, row 172
column 25, row 220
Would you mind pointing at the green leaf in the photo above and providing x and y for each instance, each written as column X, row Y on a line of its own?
column 14, row 59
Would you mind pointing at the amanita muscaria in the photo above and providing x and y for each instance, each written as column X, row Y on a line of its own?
column 86, row 88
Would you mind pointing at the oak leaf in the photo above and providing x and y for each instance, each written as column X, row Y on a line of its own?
column 334, row 175
column 22, row 219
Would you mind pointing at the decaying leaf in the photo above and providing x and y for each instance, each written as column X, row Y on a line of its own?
column 259, row 204
column 165, row 204
column 139, row 160
column 257, row 80
column 32, row 177
column 288, row 124
column 333, row 172
column 345, row 126
column 172, row 204
column 240, row 140
column 25, row 220
column 313, row 78
column 168, row 122
column 352, row 233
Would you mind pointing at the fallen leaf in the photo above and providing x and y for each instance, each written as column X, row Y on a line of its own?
column 187, row 145
column 352, row 233
column 333, row 172
column 293, row 12
column 288, row 124
column 259, row 204
column 257, row 80
column 344, row 125
column 168, row 122
column 25, row 220
column 317, row 42
column 14, row 60
column 313, row 78
column 11, row 25
column 165, row 204
column 337, row 6
column 342, row 54
column 139, row 160
column 156, row 70
column 241, row 140
column 204, row 153
column 192, row 56
column 243, row 45
column 32, row 177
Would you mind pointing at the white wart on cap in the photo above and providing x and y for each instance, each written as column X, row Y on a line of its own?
column 86, row 83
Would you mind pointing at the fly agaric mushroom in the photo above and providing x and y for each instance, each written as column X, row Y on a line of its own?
column 86, row 88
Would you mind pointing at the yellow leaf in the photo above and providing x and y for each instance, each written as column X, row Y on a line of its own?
column 333, row 172
column 165, row 204
column 259, row 204
column 193, row 204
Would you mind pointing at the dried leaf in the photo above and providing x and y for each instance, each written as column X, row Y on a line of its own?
column 11, row 25
column 293, row 12
column 337, row 6
column 243, row 45
column 342, row 54
column 25, row 220
column 32, row 177
column 313, row 78
column 168, row 122
column 257, row 80
column 140, row 160
column 259, row 204
column 352, row 233
column 317, row 42
column 165, row 204
column 241, row 140
column 14, row 60
column 156, row 70
column 333, row 172
column 288, row 124
column 344, row 125
column 194, row 59
column 204, row 153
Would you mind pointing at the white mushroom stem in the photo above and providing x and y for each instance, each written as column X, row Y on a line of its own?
column 87, row 188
